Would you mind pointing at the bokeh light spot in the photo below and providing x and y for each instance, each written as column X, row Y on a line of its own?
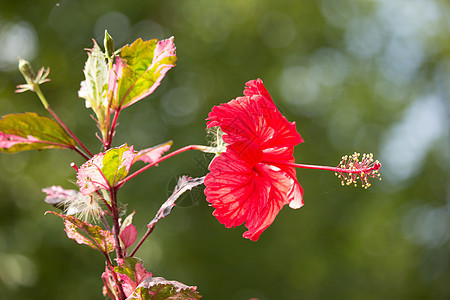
column 407, row 142
column 17, row 270
column 276, row 29
column 16, row 39
column 180, row 105
column 117, row 24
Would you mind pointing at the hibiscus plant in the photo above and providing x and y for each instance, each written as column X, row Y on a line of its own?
column 252, row 175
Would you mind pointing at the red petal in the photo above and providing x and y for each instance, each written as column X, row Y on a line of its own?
column 256, row 87
column 244, row 194
column 248, row 183
column 254, row 118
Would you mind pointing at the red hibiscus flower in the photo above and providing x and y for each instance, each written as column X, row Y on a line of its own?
column 248, row 182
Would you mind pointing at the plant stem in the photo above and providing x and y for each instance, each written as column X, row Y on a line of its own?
column 41, row 96
column 181, row 150
column 149, row 230
column 50, row 110
column 116, row 280
column 116, row 231
column 104, row 200
column 78, row 150
column 115, row 217
column 111, row 132
column 105, row 223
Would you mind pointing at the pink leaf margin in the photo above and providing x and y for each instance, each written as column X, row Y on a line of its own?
column 90, row 177
column 164, row 48
column 99, row 239
column 152, row 154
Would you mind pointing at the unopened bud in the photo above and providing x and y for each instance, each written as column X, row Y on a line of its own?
column 33, row 80
column 109, row 45
column 27, row 70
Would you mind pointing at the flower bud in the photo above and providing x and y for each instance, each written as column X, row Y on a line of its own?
column 109, row 45
column 26, row 70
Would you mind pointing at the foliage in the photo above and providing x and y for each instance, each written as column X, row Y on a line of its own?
column 259, row 145
column 29, row 131
column 343, row 93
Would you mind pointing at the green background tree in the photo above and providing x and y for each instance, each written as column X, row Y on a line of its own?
column 355, row 76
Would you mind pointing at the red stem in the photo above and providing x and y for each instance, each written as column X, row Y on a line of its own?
column 81, row 153
column 50, row 110
column 104, row 200
column 112, row 129
column 115, row 217
column 149, row 230
column 152, row 226
column 181, row 150
column 116, row 280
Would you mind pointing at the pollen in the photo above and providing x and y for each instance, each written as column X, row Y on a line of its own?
column 357, row 167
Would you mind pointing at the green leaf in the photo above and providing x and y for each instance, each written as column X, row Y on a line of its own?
column 139, row 70
column 158, row 288
column 105, row 170
column 117, row 163
column 29, row 131
column 87, row 234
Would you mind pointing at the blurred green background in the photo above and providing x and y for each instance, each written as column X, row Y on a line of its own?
column 361, row 75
